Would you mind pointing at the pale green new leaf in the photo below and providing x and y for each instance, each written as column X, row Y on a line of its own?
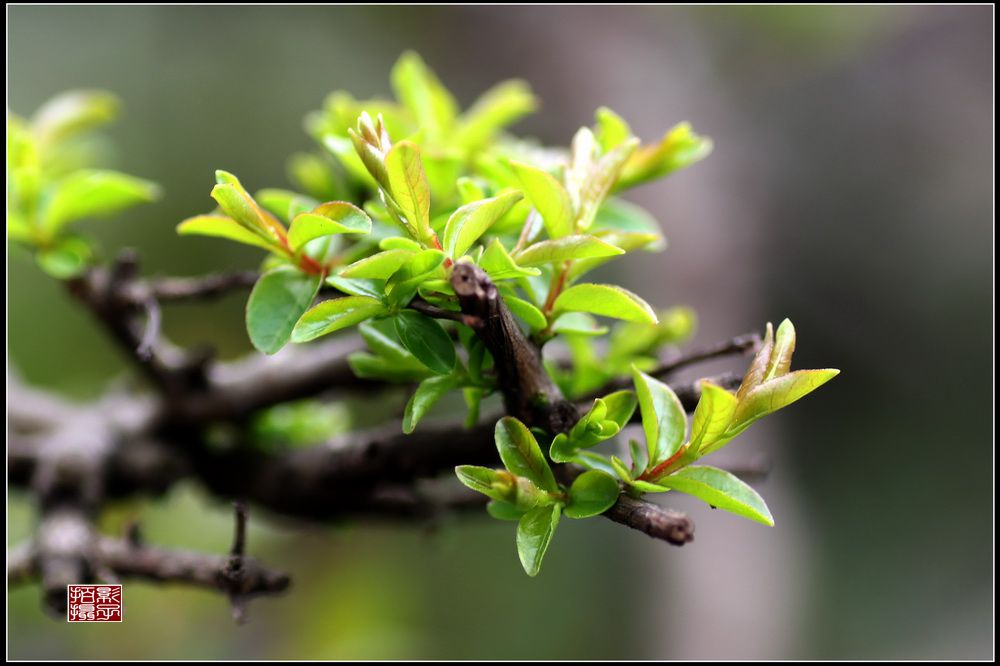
column 774, row 394
column 335, row 314
column 566, row 248
column 471, row 221
column 549, row 198
column 712, row 417
column 408, row 186
column 378, row 266
column 721, row 490
column 534, row 533
column 419, row 89
column 498, row 107
column 531, row 315
column 663, row 419
column 237, row 203
column 220, row 226
column 606, row 300
column 499, row 265
column 335, row 217
column 91, row 193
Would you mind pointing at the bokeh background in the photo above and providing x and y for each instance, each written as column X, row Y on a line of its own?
column 850, row 190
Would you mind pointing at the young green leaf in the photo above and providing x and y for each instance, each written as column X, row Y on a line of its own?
column 335, row 217
column 66, row 258
column 277, row 301
column 235, row 202
column 534, row 533
column 591, row 494
column 663, row 417
column 679, row 148
column 73, row 112
column 611, row 130
column 599, row 182
column 428, row 392
column 774, row 394
column 378, row 266
column 521, row 455
column 504, row 510
column 500, row 266
column 498, row 107
column 222, row 227
column 712, row 417
column 408, row 186
column 285, row 204
column 495, row 484
column 419, row 89
column 549, row 198
column 565, row 248
column 578, row 323
column 607, row 300
column 721, row 490
column 531, row 315
column 562, row 450
column 358, row 286
column 94, row 193
column 335, row 314
column 781, row 354
column 426, row 340
column 471, row 221
column 620, row 406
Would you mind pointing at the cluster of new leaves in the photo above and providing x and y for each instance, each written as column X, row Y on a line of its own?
column 439, row 187
column 528, row 492
column 51, row 182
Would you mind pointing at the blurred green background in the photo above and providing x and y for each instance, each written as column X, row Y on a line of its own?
column 850, row 190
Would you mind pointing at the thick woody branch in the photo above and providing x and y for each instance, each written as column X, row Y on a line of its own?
column 531, row 395
column 528, row 391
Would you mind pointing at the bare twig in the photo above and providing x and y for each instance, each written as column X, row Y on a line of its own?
column 202, row 287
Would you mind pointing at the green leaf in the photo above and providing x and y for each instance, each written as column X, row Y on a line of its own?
column 473, row 397
column 358, row 286
column 277, row 301
column 285, row 204
column 663, row 417
column 562, row 450
column 712, row 417
column 534, row 533
column 621, row 469
column 408, row 186
column 607, row 300
column 419, row 89
column 426, row 340
column 640, row 457
column 368, row 366
column 94, row 193
column 399, row 243
column 504, row 510
column 591, row 494
column 335, row 217
column 498, row 107
column 495, row 484
column 471, row 221
column 549, row 198
column 531, row 315
column 781, row 355
column 578, row 323
column 611, row 130
column 774, row 394
column 499, row 265
column 223, row 227
column 599, row 182
column 72, row 112
column 679, row 148
column 721, row 490
column 758, row 366
column 379, row 266
column 565, row 248
column 428, row 392
column 620, row 406
column 418, row 269
column 237, row 203
column 521, row 454
column 66, row 259
column 335, row 314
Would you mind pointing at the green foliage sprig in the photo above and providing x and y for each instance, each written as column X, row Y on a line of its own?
column 402, row 192
column 52, row 182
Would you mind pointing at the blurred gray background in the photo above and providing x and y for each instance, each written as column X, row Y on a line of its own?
column 850, row 190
